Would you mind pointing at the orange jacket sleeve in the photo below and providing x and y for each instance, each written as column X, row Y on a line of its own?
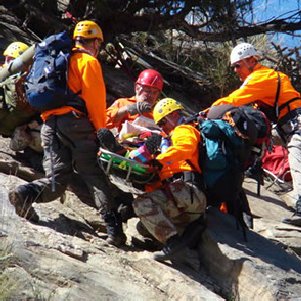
column 111, row 113
column 261, row 87
column 93, row 91
column 184, row 149
column 113, row 122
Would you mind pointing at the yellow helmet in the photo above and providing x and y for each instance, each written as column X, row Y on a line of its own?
column 15, row 49
column 87, row 30
column 164, row 107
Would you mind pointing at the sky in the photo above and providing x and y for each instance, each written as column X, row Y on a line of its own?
column 265, row 9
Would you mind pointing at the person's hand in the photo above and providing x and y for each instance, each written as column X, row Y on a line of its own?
column 139, row 107
column 156, row 165
column 153, row 143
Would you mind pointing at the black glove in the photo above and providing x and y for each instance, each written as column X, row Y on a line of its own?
column 139, row 108
column 155, row 164
column 108, row 141
column 153, row 143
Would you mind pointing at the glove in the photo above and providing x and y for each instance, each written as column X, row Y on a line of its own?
column 139, row 107
column 155, row 164
column 153, row 143
column 108, row 141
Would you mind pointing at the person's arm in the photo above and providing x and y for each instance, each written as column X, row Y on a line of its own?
column 184, row 143
column 259, row 85
column 242, row 96
column 116, row 113
column 125, row 109
column 94, row 93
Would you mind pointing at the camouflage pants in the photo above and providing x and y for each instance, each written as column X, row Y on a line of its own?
column 167, row 211
column 27, row 135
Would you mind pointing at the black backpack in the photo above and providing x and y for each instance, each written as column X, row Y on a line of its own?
column 46, row 83
column 254, row 126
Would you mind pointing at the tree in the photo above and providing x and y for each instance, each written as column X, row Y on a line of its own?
column 189, row 41
column 206, row 20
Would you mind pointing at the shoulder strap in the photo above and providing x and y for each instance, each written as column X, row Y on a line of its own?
column 276, row 105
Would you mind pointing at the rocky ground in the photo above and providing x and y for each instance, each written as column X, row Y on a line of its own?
column 65, row 256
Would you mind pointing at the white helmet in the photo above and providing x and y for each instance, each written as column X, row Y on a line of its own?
column 243, row 51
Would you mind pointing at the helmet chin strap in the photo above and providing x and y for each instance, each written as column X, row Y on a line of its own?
column 91, row 50
column 249, row 66
column 181, row 120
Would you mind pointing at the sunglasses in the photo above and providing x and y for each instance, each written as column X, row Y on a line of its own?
column 162, row 122
column 237, row 66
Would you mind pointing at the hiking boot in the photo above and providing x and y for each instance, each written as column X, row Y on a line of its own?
column 295, row 220
column 177, row 252
column 193, row 232
column 113, row 221
column 142, row 230
column 173, row 249
column 126, row 212
column 22, row 199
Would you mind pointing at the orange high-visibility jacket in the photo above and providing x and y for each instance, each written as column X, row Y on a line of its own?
column 261, row 87
column 85, row 75
column 112, row 121
column 183, row 154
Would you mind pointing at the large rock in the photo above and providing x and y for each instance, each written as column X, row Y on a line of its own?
column 64, row 257
column 256, row 269
column 270, row 210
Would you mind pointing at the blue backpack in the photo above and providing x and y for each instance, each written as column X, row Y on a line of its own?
column 46, row 83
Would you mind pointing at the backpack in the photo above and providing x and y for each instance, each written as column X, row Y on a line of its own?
column 220, row 151
column 227, row 144
column 221, row 158
column 252, row 125
column 46, row 83
column 14, row 108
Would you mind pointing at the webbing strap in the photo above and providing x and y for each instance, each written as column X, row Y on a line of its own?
column 287, row 103
column 276, row 107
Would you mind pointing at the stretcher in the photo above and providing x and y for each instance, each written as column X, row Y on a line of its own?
column 128, row 169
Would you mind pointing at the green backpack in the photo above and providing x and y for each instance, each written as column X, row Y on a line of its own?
column 14, row 109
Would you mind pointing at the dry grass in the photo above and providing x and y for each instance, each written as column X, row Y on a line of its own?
column 8, row 286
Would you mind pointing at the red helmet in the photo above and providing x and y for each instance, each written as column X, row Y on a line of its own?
column 151, row 78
